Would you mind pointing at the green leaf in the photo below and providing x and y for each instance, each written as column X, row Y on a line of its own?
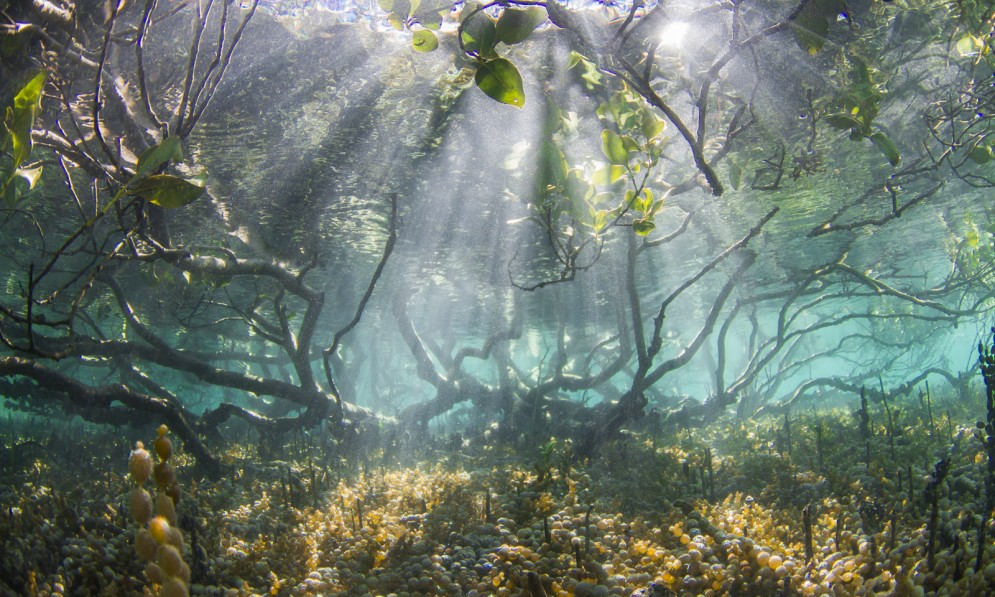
column 887, row 147
column 157, row 155
column 967, row 45
column 981, row 154
column 552, row 164
column 600, row 219
column 29, row 97
column 20, row 118
column 842, row 121
column 614, row 148
column 500, row 80
column 469, row 10
column 168, row 191
column 607, row 174
column 20, row 125
column 643, row 227
column 629, row 199
column 396, row 21
column 811, row 28
column 591, row 75
column 479, row 33
column 735, row 175
column 386, row 5
column 574, row 59
column 651, row 125
column 972, row 238
column 515, row 25
column 402, row 8
column 861, row 75
column 604, row 110
column 424, row 40
column 431, row 20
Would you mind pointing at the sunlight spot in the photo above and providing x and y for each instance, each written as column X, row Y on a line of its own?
column 672, row 35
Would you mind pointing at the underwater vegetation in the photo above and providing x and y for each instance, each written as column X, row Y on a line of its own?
column 508, row 298
column 789, row 506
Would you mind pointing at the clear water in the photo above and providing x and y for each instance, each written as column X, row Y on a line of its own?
column 473, row 349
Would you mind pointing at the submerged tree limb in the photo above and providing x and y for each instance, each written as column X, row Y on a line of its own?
column 90, row 401
column 630, row 406
column 958, row 382
column 330, row 353
column 896, row 212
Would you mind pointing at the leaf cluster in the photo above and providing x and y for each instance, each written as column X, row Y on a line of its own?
column 165, row 190
column 423, row 19
column 811, row 26
column 975, row 251
column 479, row 36
column 579, row 204
column 858, row 105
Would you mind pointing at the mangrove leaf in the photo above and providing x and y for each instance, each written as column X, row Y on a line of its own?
column 614, row 148
column 887, row 147
column 157, row 155
column 643, row 227
column 424, row 40
column 20, row 118
column 515, row 25
column 168, row 191
column 500, row 80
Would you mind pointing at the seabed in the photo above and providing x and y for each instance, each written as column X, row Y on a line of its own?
column 786, row 506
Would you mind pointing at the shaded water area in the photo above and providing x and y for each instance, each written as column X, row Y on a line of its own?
column 590, row 299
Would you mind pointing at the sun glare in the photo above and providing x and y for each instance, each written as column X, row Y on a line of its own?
column 673, row 33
